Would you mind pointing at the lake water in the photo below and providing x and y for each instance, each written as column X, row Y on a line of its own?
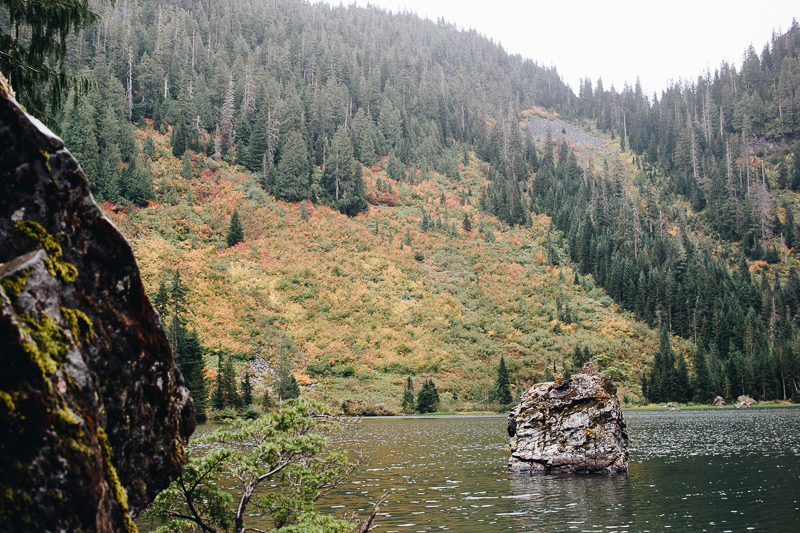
column 690, row 470
column 701, row 470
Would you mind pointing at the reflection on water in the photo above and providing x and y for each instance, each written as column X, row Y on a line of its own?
column 690, row 470
column 705, row 470
column 560, row 502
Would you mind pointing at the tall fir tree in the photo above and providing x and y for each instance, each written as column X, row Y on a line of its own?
column 501, row 392
column 247, row 390
column 408, row 403
column 342, row 182
column 235, row 230
column 293, row 175
column 287, row 384
column 428, row 398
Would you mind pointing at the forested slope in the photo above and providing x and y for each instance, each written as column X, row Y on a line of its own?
column 685, row 216
column 718, row 158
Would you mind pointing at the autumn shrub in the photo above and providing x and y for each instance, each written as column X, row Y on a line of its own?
column 440, row 307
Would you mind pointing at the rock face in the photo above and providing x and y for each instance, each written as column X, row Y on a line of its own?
column 570, row 426
column 94, row 415
column 719, row 401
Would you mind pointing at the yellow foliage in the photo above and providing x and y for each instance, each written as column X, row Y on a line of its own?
column 345, row 299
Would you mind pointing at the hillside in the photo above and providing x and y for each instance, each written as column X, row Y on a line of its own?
column 681, row 208
column 360, row 303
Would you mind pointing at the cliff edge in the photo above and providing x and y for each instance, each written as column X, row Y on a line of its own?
column 94, row 415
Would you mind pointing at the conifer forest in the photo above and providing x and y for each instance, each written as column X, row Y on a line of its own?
column 363, row 199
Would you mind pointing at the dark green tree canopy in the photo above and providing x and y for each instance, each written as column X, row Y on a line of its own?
column 235, row 230
column 294, row 170
column 40, row 29
column 428, row 398
column 501, row 392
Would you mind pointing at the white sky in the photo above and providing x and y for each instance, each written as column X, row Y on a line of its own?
column 617, row 39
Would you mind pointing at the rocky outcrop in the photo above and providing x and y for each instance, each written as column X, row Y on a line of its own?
column 719, row 401
column 743, row 402
column 564, row 131
column 572, row 426
column 94, row 415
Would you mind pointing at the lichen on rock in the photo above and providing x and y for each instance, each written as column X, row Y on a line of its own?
column 94, row 415
column 569, row 426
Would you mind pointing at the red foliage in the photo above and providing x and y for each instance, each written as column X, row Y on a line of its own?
column 206, row 174
column 389, row 198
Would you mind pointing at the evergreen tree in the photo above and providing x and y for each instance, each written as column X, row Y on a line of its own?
column 682, row 386
column 192, row 367
column 703, row 391
column 287, row 384
column 235, row 231
column 218, row 398
column 247, row 390
column 136, row 182
column 795, row 180
column 408, row 403
column 428, row 398
column 466, row 223
column 161, row 299
column 186, row 169
column 33, row 50
column 177, row 296
column 293, row 178
column 149, row 147
column 179, row 138
column 227, row 379
column 81, row 137
column 502, row 387
column 226, row 118
column 342, row 182
column 394, row 168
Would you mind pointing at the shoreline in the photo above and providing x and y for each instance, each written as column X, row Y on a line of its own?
column 686, row 407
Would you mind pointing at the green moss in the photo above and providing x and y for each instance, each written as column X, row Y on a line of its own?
column 113, row 479
column 8, row 406
column 14, row 505
column 50, row 343
column 52, row 245
column 46, row 157
column 65, row 271
column 35, row 232
column 15, row 284
column 79, row 324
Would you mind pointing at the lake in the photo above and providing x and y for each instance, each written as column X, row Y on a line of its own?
column 690, row 470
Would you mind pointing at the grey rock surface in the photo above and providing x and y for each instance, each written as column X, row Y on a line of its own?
column 94, row 415
column 743, row 402
column 569, row 426
column 560, row 131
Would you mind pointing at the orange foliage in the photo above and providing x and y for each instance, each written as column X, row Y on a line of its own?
column 347, row 297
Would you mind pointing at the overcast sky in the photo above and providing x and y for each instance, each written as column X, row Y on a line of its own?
column 617, row 39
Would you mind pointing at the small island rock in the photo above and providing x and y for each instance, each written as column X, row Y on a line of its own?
column 719, row 401
column 570, row 426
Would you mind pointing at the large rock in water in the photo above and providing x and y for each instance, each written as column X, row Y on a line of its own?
column 570, row 426
column 94, row 415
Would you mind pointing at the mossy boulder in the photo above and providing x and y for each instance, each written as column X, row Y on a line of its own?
column 569, row 426
column 94, row 415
